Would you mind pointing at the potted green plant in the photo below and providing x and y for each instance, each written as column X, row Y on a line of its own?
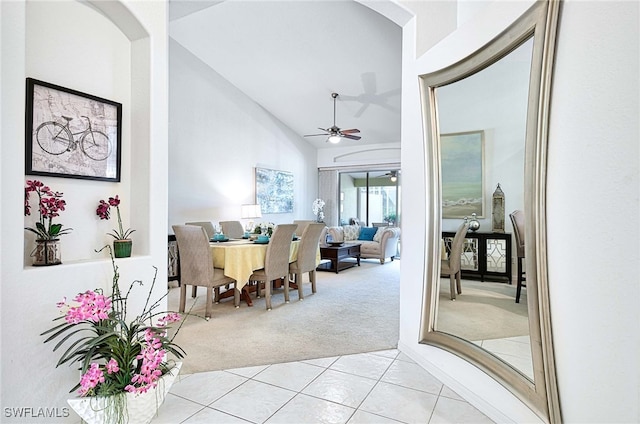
column 390, row 218
column 50, row 204
column 120, row 362
column 122, row 243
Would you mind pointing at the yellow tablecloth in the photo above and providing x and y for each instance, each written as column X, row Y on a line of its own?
column 239, row 258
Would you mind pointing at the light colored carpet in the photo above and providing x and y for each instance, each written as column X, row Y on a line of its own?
column 354, row 311
column 484, row 311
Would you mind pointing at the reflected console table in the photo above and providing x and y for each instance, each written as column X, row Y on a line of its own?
column 484, row 255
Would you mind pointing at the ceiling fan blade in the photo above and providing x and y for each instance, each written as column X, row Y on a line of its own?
column 350, row 131
column 351, row 137
column 326, row 132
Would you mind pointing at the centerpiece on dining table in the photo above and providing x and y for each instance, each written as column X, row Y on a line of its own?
column 265, row 229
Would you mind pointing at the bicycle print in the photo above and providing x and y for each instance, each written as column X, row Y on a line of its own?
column 72, row 134
column 56, row 139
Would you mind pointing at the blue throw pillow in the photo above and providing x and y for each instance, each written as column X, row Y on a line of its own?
column 367, row 233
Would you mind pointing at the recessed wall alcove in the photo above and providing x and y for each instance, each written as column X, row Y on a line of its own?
column 102, row 50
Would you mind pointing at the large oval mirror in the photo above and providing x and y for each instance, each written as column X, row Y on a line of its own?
column 485, row 119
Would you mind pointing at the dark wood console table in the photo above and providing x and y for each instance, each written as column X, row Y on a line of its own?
column 484, row 255
column 173, row 264
column 336, row 256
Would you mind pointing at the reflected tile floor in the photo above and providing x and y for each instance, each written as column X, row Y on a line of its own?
column 376, row 387
column 513, row 350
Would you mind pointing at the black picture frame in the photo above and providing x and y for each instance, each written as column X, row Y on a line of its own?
column 70, row 134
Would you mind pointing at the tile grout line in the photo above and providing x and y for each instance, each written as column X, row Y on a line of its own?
column 376, row 384
column 325, row 368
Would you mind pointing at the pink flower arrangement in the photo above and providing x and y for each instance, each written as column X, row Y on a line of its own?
column 103, row 211
column 50, row 204
column 91, row 379
column 115, row 357
column 93, row 307
column 152, row 355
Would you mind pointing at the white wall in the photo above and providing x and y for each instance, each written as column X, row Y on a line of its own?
column 592, row 212
column 217, row 137
column 434, row 21
column 73, row 45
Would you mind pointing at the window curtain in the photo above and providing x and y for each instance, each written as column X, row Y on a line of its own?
column 328, row 191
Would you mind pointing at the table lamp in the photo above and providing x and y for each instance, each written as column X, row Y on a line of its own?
column 250, row 212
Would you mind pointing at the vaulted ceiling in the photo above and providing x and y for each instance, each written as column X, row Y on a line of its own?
column 289, row 56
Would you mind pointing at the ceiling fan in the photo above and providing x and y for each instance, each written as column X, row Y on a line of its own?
column 336, row 134
column 393, row 176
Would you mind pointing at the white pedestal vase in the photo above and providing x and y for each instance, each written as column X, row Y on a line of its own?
column 137, row 408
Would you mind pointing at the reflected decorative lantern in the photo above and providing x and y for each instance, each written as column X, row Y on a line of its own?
column 497, row 211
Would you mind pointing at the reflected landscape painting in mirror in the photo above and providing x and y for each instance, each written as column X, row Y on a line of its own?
column 462, row 174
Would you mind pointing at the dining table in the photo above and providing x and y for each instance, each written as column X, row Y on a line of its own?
column 239, row 258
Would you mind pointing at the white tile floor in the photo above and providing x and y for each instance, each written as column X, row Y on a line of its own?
column 376, row 387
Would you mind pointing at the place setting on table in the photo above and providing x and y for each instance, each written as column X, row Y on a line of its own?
column 240, row 257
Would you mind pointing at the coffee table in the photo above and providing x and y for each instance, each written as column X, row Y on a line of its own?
column 336, row 256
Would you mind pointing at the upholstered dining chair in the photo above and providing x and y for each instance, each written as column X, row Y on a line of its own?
column 207, row 225
column 232, row 229
column 517, row 219
column 302, row 225
column 306, row 259
column 196, row 266
column 276, row 262
column 451, row 266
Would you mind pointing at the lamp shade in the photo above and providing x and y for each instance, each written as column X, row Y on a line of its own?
column 251, row 211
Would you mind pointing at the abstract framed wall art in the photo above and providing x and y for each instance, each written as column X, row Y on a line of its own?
column 462, row 158
column 274, row 190
column 70, row 134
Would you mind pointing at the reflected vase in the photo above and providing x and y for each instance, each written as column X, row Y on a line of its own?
column 474, row 224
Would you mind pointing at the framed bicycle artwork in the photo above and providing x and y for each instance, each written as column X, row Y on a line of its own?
column 71, row 134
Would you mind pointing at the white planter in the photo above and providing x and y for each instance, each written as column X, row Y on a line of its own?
column 140, row 408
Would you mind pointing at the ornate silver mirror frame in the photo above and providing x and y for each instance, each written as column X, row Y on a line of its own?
column 540, row 394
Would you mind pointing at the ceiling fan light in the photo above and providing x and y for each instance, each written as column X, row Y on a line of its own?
column 393, row 178
column 334, row 139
